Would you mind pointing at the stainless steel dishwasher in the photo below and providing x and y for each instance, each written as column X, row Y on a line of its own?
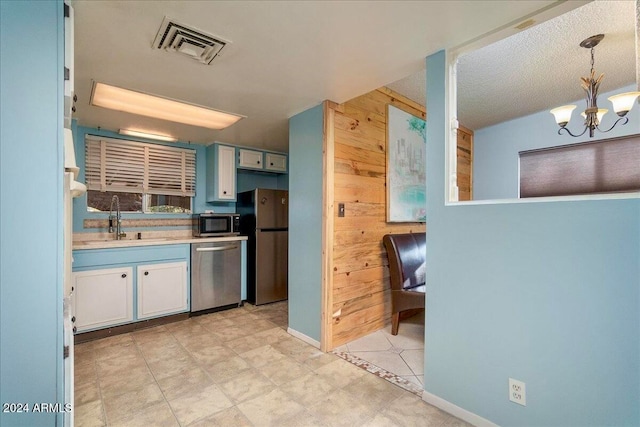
column 215, row 275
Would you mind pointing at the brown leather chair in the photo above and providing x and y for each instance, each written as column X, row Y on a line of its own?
column 407, row 266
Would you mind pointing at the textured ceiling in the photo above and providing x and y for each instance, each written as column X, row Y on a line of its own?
column 539, row 68
column 285, row 57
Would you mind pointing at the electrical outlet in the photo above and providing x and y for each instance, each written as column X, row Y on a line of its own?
column 517, row 392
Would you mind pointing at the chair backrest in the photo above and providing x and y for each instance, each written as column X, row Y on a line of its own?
column 407, row 259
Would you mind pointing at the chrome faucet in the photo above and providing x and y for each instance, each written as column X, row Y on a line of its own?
column 117, row 218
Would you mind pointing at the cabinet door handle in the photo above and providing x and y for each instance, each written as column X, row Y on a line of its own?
column 146, row 273
column 75, row 329
column 258, row 162
column 216, row 248
column 224, row 192
column 124, row 275
column 73, row 319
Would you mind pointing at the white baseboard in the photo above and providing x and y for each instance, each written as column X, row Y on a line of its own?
column 456, row 411
column 303, row 337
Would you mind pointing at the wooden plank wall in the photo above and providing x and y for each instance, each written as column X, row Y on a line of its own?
column 465, row 163
column 359, row 288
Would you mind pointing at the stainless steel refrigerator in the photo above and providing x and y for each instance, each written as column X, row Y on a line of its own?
column 264, row 218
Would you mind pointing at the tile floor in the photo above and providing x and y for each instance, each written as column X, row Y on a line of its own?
column 401, row 354
column 234, row 368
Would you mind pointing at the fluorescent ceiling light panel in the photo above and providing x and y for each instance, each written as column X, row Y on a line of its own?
column 141, row 134
column 144, row 104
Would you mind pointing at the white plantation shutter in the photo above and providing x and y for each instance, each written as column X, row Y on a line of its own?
column 137, row 167
column 93, row 167
column 171, row 171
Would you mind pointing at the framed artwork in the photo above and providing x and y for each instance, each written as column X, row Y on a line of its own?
column 406, row 149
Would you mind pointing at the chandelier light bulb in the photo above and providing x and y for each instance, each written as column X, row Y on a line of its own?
column 600, row 114
column 563, row 114
column 623, row 102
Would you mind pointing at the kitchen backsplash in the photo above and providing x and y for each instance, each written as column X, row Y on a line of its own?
column 132, row 234
column 142, row 222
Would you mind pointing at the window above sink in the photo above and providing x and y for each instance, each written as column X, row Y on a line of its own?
column 147, row 178
column 99, row 201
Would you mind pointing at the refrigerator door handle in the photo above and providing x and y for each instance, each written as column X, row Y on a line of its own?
column 217, row 248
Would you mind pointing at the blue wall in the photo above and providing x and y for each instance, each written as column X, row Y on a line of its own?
column 495, row 153
column 199, row 202
column 246, row 181
column 31, row 224
column 305, row 221
column 546, row 293
column 249, row 180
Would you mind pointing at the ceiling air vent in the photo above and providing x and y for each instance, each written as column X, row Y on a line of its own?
column 173, row 36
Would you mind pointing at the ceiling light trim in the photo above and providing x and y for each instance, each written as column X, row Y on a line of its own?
column 147, row 135
column 159, row 107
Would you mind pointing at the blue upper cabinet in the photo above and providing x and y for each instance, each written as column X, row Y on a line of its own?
column 221, row 173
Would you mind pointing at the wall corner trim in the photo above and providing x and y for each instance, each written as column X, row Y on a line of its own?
column 456, row 411
column 303, row 337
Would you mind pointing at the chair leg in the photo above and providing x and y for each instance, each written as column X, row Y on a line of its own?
column 395, row 322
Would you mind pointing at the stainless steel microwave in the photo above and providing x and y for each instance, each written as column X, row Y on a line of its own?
column 216, row 224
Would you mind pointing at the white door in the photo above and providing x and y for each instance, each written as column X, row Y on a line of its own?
column 67, row 301
column 226, row 173
column 67, row 307
column 103, row 298
column 162, row 289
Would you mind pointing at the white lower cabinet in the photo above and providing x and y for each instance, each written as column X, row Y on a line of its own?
column 117, row 286
column 162, row 289
column 103, row 297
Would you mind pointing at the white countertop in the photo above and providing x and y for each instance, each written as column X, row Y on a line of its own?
column 152, row 241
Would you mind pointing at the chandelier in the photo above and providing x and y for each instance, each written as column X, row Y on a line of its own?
column 622, row 103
